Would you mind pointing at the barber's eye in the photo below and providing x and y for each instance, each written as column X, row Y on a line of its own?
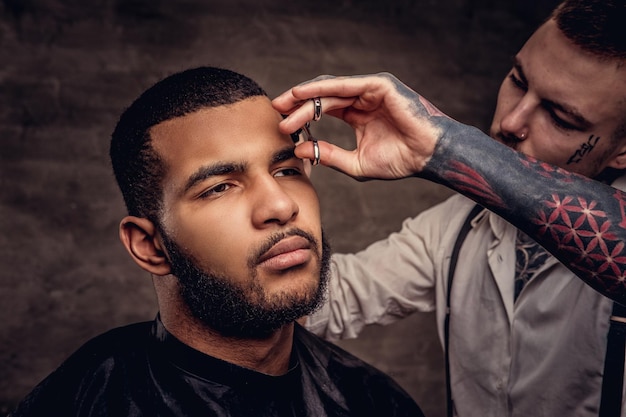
column 517, row 82
column 562, row 123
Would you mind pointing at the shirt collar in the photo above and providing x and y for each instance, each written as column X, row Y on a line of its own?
column 210, row 368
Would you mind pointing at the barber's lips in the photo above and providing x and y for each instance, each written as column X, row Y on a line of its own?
column 288, row 253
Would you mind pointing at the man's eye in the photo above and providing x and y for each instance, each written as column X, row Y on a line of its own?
column 287, row 172
column 517, row 82
column 215, row 190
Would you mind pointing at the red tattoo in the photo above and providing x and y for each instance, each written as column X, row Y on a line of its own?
column 432, row 110
column 578, row 228
column 546, row 170
column 468, row 180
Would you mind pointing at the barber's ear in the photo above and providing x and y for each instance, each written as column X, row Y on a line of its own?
column 140, row 237
column 619, row 160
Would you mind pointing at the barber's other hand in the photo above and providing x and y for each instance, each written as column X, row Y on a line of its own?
column 396, row 129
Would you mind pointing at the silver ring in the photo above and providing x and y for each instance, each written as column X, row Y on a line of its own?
column 316, row 153
column 317, row 109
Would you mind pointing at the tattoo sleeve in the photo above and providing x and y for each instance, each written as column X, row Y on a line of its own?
column 580, row 221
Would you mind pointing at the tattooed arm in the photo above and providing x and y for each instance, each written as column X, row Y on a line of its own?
column 580, row 221
column 400, row 134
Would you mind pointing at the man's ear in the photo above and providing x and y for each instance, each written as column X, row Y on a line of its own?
column 139, row 236
column 619, row 160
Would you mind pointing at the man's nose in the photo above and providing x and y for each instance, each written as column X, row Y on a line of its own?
column 515, row 123
column 271, row 203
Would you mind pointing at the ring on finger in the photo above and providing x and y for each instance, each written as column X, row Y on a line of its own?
column 316, row 153
column 317, row 109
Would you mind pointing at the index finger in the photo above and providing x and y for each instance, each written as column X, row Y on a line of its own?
column 322, row 86
column 303, row 111
column 354, row 86
column 287, row 102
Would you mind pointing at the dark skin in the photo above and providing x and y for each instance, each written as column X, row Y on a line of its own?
column 399, row 134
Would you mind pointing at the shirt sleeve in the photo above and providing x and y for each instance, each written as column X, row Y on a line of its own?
column 387, row 281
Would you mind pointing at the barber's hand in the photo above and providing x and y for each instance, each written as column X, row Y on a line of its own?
column 396, row 129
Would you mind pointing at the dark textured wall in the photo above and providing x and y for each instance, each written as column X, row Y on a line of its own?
column 67, row 70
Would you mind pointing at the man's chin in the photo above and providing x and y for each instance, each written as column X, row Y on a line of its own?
column 260, row 317
column 299, row 286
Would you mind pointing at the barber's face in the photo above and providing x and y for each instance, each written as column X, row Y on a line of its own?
column 562, row 105
column 238, row 208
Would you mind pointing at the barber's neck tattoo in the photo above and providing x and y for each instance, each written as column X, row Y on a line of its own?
column 580, row 221
column 585, row 149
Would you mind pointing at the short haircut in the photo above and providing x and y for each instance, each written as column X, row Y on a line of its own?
column 137, row 167
column 596, row 26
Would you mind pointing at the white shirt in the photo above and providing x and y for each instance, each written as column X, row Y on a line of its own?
column 542, row 355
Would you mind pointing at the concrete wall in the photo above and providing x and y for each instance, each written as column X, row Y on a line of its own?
column 67, row 70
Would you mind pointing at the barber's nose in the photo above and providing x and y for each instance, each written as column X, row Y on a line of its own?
column 271, row 203
column 514, row 124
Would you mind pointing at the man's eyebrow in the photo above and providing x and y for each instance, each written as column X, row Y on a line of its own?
column 224, row 168
column 212, row 170
column 284, row 154
column 578, row 118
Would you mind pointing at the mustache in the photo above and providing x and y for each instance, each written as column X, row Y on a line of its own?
column 253, row 259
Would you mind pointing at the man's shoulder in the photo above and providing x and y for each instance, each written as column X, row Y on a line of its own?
column 365, row 389
column 96, row 360
column 115, row 341
column 118, row 345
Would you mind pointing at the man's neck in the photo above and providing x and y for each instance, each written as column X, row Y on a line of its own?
column 269, row 355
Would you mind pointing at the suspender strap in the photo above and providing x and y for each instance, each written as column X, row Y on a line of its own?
column 613, row 380
column 467, row 225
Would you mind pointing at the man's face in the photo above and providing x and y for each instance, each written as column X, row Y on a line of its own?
column 561, row 105
column 238, row 209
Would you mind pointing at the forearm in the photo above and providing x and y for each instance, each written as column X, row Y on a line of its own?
column 580, row 221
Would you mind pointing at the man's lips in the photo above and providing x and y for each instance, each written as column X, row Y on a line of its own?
column 289, row 252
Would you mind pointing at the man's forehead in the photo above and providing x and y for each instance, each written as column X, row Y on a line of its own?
column 237, row 123
column 238, row 136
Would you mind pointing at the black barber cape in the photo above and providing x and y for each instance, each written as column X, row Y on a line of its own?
column 142, row 370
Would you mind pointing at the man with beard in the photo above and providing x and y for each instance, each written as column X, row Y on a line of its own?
column 224, row 217
column 524, row 336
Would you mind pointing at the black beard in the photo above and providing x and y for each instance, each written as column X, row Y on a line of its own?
column 243, row 310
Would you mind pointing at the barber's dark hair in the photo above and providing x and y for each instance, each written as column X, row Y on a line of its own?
column 596, row 26
column 138, row 169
